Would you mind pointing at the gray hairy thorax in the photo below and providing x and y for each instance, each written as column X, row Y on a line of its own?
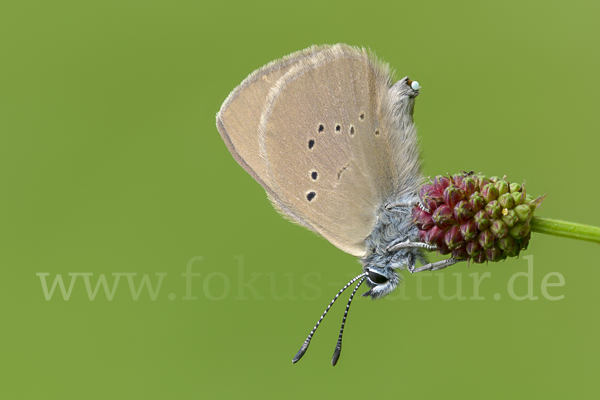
column 392, row 226
column 382, row 264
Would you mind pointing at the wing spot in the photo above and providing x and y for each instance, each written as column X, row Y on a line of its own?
column 314, row 175
column 376, row 132
column 338, row 128
column 311, row 144
column 362, row 117
column 321, row 128
column 351, row 130
column 310, row 196
column 341, row 171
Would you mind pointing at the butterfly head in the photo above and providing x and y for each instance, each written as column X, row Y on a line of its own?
column 381, row 271
column 381, row 280
column 408, row 87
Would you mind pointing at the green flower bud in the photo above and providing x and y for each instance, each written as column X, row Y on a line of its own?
column 489, row 193
column 523, row 212
column 519, row 230
column 482, row 220
column 525, row 242
column 493, row 209
column 519, row 197
column 506, row 243
column 506, row 201
column 502, row 187
column 515, row 187
column 499, row 228
column 482, row 181
column 528, row 199
column 509, row 217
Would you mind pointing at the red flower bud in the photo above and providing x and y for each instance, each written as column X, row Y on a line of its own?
column 469, row 186
column 458, row 178
column 430, row 196
column 435, row 236
column 453, row 238
column 480, row 257
column 460, row 253
column 469, row 230
column 462, row 212
column 425, row 190
column 441, row 183
column 473, row 248
column 476, row 202
column 475, row 218
column 422, row 218
column 444, row 250
column 486, row 239
column 443, row 217
column 452, row 195
column 493, row 253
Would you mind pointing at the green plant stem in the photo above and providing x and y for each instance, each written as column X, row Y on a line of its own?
column 565, row 229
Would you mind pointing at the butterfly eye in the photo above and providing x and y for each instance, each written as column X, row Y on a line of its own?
column 376, row 277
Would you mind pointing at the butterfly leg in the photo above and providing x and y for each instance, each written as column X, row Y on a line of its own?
column 398, row 244
column 392, row 206
column 438, row 265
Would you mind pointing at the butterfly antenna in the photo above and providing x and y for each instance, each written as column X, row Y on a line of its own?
column 308, row 339
column 338, row 347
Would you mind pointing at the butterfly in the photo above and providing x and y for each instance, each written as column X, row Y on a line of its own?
column 331, row 139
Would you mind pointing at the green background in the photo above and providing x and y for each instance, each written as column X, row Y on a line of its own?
column 111, row 163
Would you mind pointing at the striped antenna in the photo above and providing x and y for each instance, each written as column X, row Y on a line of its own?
column 338, row 347
column 308, row 339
